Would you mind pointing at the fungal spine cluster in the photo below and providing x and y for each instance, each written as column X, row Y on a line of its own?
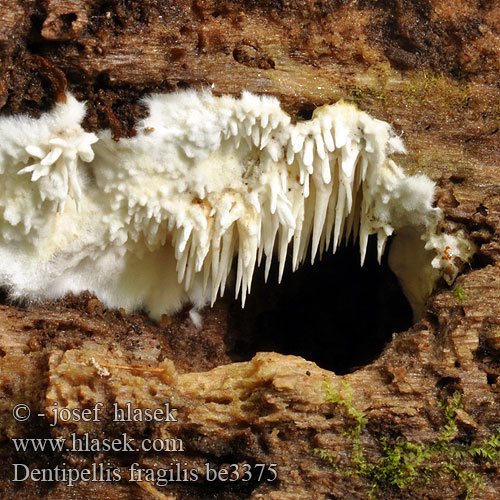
column 156, row 220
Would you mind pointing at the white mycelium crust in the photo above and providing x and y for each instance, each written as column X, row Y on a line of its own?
column 154, row 221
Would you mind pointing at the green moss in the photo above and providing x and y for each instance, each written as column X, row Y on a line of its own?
column 459, row 293
column 409, row 466
column 360, row 94
column 356, row 93
column 438, row 91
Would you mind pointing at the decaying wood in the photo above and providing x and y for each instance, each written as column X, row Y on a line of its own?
column 429, row 67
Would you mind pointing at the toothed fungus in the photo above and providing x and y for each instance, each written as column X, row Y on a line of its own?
column 154, row 221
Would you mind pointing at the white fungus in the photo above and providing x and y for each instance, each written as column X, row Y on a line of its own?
column 154, row 221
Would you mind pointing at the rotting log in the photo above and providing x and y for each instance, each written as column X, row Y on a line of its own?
column 430, row 69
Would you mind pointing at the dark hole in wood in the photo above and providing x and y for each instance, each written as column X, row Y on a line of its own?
column 335, row 313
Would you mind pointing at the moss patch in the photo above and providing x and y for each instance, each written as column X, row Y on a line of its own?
column 404, row 465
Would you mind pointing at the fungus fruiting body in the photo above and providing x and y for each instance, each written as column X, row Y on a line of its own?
column 155, row 221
